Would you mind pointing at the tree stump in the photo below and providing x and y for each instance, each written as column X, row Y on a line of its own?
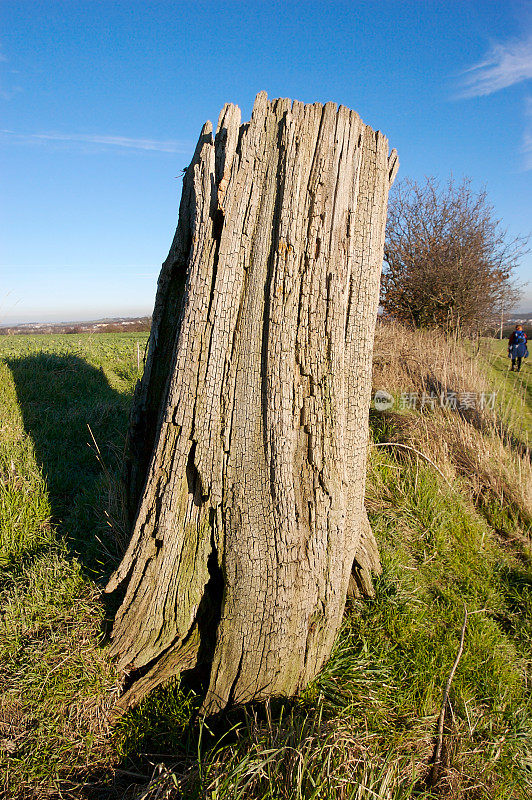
column 249, row 429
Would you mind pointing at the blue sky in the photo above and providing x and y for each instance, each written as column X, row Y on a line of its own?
column 102, row 103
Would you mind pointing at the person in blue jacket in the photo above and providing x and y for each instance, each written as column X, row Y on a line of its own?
column 517, row 347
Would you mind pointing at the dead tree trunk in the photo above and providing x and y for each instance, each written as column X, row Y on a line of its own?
column 249, row 430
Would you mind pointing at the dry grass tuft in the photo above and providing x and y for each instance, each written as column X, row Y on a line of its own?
column 310, row 757
column 407, row 359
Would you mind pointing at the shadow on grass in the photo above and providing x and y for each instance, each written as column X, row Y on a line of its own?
column 516, row 584
column 167, row 733
column 59, row 397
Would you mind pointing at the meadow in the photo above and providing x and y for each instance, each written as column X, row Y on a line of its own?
column 453, row 522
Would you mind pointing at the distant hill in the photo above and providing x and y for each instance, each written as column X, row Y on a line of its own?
column 109, row 325
column 522, row 316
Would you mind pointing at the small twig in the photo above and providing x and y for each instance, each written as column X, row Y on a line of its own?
column 441, row 719
column 131, row 774
column 418, row 452
column 94, row 440
column 45, row 681
column 99, row 456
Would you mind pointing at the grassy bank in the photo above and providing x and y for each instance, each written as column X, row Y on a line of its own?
column 453, row 525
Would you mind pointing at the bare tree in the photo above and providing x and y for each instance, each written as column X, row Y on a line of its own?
column 448, row 261
column 249, row 429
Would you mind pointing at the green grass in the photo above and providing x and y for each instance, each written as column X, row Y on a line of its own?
column 514, row 389
column 57, row 506
column 447, row 557
column 363, row 729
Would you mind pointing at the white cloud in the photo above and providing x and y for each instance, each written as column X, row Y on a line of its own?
column 505, row 65
column 162, row 146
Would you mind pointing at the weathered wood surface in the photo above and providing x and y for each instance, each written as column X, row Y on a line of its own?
column 249, row 429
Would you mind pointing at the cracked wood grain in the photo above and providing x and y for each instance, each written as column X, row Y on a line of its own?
column 249, row 428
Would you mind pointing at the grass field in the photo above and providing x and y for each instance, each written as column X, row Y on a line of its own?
column 453, row 537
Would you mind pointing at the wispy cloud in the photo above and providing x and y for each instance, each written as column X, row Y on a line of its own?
column 505, row 65
column 9, row 94
column 5, row 92
column 527, row 139
column 158, row 145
